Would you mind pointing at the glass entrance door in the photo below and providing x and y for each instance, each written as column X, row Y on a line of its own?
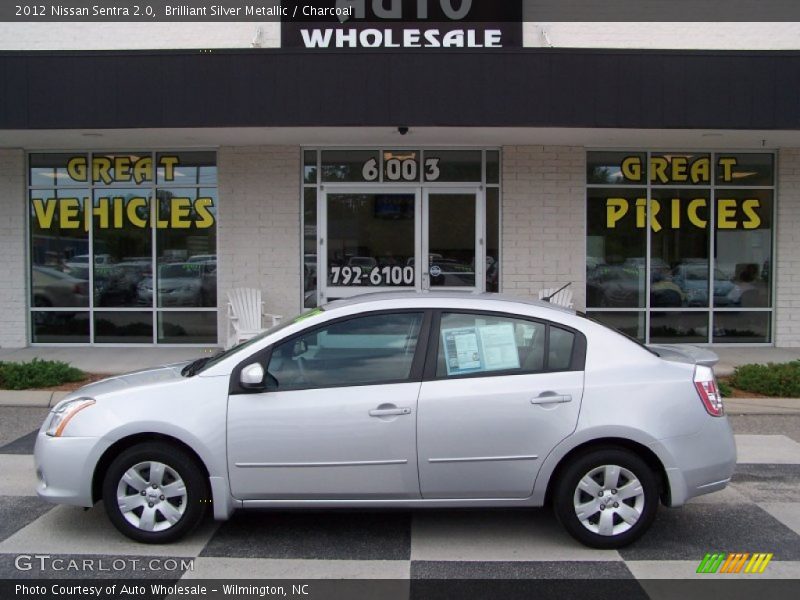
column 453, row 240
column 378, row 239
column 368, row 242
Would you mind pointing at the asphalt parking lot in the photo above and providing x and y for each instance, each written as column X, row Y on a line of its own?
column 759, row 512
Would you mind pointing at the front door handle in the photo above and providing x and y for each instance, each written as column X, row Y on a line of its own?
column 389, row 412
column 551, row 398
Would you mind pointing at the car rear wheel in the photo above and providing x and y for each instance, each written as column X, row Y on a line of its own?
column 606, row 498
column 155, row 493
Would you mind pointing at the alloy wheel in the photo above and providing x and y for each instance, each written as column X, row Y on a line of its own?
column 609, row 500
column 151, row 496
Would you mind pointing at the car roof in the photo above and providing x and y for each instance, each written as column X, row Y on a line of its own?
column 487, row 298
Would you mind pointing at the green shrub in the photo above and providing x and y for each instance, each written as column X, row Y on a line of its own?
column 37, row 374
column 725, row 389
column 779, row 380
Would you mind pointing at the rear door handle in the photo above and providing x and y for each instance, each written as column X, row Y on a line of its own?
column 389, row 412
column 550, row 398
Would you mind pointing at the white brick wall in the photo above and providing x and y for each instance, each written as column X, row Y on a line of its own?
column 787, row 272
column 13, row 324
column 544, row 222
column 259, row 226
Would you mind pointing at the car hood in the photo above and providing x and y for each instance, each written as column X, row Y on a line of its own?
column 116, row 383
column 686, row 354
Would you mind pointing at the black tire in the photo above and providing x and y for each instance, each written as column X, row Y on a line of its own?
column 177, row 462
column 582, row 465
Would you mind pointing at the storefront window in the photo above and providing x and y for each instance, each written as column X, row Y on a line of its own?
column 102, row 248
column 493, row 240
column 679, row 247
column 122, row 245
column 706, row 219
column 350, row 166
column 616, row 248
column 743, row 247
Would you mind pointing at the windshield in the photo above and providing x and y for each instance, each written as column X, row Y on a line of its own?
column 217, row 358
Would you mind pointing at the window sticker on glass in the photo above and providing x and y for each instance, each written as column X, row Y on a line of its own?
column 481, row 348
column 499, row 347
column 461, row 350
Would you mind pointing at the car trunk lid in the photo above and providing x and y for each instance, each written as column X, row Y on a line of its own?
column 685, row 354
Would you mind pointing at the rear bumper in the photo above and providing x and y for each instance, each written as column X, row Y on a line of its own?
column 702, row 463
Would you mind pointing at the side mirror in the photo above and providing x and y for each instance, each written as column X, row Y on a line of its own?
column 252, row 377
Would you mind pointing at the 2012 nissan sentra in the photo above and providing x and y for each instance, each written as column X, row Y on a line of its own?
column 401, row 401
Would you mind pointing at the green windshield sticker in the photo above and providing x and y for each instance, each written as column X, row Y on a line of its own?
column 308, row 315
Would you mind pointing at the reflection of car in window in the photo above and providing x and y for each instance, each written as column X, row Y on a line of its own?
column 365, row 262
column 615, row 286
column 692, row 278
column 82, row 260
column 202, row 258
column 179, row 284
column 51, row 287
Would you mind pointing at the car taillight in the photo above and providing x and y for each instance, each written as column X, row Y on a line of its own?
column 706, row 385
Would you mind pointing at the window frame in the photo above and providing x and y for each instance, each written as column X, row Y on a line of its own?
column 264, row 356
column 577, row 360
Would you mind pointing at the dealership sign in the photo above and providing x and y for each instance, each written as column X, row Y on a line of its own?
column 736, row 207
column 119, row 208
column 402, row 24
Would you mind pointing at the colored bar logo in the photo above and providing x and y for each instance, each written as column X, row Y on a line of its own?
column 734, row 562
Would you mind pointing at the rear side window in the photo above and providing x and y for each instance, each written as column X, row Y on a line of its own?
column 482, row 344
column 560, row 349
column 361, row 351
column 472, row 344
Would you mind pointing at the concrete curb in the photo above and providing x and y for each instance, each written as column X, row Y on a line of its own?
column 30, row 398
column 762, row 406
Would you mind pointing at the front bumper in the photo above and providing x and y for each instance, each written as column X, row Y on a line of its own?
column 65, row 467
column 702, row 463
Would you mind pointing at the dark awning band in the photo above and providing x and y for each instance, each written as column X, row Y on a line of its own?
column 523, row 88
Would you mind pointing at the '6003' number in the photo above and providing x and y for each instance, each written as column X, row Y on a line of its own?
column 396, row 169
column 377, row 276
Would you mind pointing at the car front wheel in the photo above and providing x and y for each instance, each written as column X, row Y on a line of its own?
column 155, row 493
column 606, row 498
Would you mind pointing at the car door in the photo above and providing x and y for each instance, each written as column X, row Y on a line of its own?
column 338, row 420
column 499, row 393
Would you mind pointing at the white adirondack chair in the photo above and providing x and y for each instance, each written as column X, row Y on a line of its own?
column 562, row 298
column 247, row 315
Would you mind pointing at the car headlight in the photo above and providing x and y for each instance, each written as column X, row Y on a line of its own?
column 63, row 413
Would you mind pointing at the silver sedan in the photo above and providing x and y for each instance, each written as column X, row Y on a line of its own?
column 405, row 401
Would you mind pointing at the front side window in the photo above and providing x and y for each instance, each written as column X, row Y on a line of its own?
column 366, row 350
column 470, row 344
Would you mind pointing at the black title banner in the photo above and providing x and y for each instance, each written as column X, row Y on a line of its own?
column 472, row 11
